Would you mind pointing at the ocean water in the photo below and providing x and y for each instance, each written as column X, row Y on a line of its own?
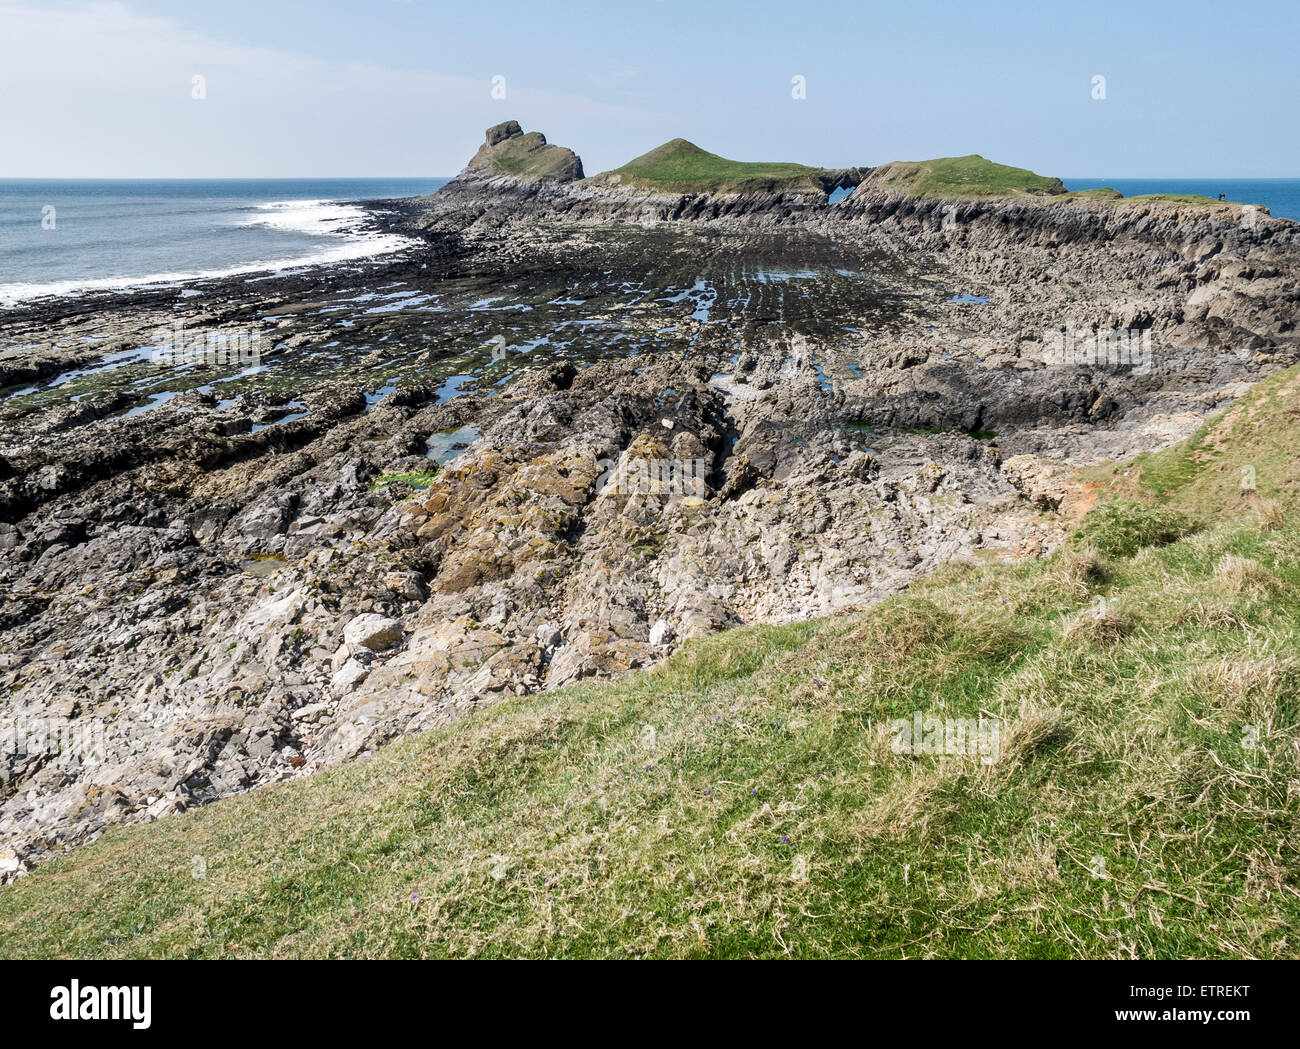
column 62, row 236
column 1280, row 195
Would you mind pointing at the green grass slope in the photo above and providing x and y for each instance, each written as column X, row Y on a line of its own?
column 682, row 167
column 1181, row 199
column 1104, row 193
column 745, row 798
column 529, row 156
column 970, row 176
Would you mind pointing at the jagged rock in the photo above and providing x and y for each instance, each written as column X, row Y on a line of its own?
column 372, row 631
column 406, row 585
column 11, row 866
column 348, row 677
column 174, row 578
column 509, row 153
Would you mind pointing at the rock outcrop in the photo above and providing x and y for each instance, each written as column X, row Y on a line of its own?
column 511, row 159
column 516, row 178
column 579, row 424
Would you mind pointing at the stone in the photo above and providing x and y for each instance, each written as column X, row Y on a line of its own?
column 131, row 573
column 661, row 633
column 347, row 678
column 407, row 585
column 372, row 631
column 11, row 865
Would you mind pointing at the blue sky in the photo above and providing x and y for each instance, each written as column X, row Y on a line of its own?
column 403, row 87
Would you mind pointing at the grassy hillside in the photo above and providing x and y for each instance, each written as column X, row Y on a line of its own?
column 1178, row 198
column 971, row 176
column 1253, row 443
column 745, row 799
column 682, row 167
column 1195, row 199
column 1104, row 193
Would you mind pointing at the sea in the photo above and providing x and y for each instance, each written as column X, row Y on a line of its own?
column 65, row 236
column 1280, row 195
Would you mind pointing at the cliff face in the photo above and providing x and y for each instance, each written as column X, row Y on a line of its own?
column 486, row 203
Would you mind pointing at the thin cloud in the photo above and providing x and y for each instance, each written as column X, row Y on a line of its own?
column 96, row 90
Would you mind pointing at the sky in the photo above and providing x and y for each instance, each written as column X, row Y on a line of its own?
column 336, row 88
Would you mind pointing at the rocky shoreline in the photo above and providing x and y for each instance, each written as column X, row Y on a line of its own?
column 461, row 471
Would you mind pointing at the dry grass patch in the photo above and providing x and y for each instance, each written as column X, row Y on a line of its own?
column 1220, row 616
column 1079, row 570
column 1036, row 732
column 927, row 796
column 1259, row 690
column 898, row 631
column 1101, row 626
column 1245, row 577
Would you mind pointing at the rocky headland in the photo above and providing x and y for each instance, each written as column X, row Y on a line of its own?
column 579, row 421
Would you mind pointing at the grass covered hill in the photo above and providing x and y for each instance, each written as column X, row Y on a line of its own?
column 970, row 176
column 1226, row 208
column 679, row 166
column 749, row 797
column 975, row 177
column 683, row 167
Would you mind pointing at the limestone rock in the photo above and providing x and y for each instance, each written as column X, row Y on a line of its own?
column 372, row 631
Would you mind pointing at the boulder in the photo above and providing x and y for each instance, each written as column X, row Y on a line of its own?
column 372, row 631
